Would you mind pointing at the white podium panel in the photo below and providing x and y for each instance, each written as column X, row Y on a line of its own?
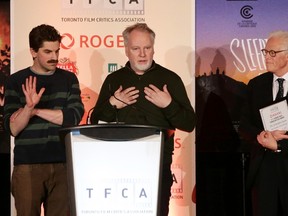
column 114, row 170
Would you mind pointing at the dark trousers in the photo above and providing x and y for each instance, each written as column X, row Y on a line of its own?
column 166, row 185
column 270, row 190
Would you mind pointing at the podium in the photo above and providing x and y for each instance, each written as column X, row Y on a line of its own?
column 114, row 169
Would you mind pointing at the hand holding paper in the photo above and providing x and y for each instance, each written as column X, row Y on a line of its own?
column 266, row 139
column 275, row 116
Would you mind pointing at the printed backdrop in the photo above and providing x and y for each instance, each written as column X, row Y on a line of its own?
column 229, row 37
column 92, row 48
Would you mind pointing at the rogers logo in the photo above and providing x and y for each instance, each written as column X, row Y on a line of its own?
column 67, row 41
column 91, row 41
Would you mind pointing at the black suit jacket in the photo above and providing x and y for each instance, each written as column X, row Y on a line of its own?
column 259, row 95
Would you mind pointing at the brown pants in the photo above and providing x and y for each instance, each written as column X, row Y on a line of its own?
column 36, row 184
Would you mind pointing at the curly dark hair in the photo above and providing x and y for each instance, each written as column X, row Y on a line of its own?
column 43, row 33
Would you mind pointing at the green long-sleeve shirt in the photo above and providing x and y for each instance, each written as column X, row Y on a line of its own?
column 39, row 142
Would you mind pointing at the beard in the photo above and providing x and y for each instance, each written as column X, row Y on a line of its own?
column 143, row 67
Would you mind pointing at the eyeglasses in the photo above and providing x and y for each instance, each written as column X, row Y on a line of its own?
column 272, row 53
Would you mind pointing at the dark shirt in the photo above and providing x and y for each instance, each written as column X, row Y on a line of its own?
column 179, row 114
column 39, row 142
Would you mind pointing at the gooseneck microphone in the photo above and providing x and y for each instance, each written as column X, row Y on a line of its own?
column 114, row 106
column 88, row 116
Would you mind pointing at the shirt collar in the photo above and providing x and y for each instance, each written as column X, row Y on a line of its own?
column 284, row 77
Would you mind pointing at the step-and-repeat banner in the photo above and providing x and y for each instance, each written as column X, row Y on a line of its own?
column 92, row 47
column 229, row 37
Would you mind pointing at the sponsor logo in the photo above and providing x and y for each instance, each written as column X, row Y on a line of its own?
column 91, row 41
column 66, row 64
column 121, row 194
column 112, row 67
column 122, row 7
column 177, row 187
column 245, row 12
column 67, row 37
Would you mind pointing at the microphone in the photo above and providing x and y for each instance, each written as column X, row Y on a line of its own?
column 137, row 108
column 113, row 94
column 115, row 108
column 88, row 116
column 142, row 110
column 168, row 130
column 116, row 113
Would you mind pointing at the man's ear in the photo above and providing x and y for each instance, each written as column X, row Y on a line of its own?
column 33, row 53
column 126, row 51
